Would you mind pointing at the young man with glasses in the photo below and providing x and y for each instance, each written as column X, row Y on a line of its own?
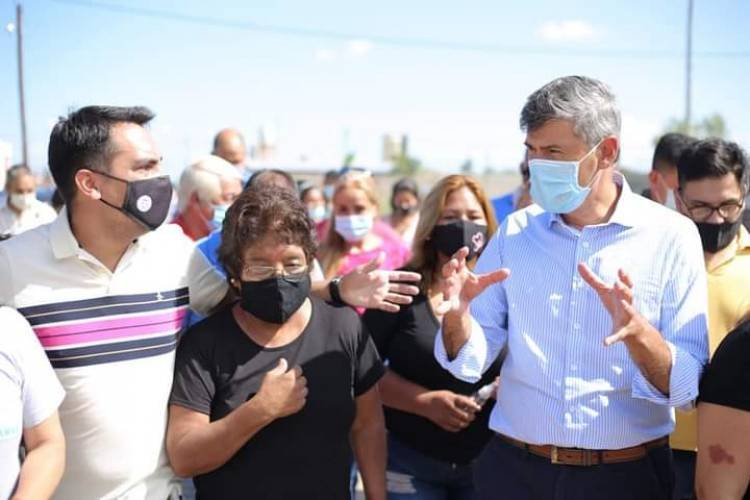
column 713, row 182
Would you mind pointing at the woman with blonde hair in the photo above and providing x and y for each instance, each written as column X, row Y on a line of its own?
column 352, row 239
column 437, row 425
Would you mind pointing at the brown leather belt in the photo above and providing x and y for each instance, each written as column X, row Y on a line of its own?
column 581, row 457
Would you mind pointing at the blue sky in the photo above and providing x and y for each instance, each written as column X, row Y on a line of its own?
column 318, row 97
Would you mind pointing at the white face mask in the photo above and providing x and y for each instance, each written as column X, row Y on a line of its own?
column 353, row 227
column 22, row 201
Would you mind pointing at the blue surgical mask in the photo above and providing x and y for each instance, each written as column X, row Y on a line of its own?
column 328, row 191
column 220, row 211
column 554, row 184
column 317, row 213
column 353, row 227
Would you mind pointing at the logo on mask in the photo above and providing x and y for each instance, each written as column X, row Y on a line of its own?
column 146, row 200
column 144, row 203
column 477, row 241
column 451, row 237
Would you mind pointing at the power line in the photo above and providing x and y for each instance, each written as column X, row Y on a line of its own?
column 403, row 42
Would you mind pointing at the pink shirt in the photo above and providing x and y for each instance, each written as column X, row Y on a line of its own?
column 396, row 255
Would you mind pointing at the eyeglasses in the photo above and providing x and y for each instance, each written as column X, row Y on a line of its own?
column 729, row 210
column 293, row 272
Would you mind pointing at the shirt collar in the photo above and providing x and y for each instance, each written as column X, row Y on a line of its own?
column 64, row 243
column 625, row 213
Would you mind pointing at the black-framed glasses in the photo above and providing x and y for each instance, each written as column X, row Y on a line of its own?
column 293, row 272
column 701, row 212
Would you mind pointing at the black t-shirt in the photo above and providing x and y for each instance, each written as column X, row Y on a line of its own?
column 304, row 455
column 726, row 380
column 406, row 341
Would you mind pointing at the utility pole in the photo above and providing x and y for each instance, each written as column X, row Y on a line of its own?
column 21, row 94
column 688, row 66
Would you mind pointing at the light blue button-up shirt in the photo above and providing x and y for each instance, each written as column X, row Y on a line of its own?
column 559, row 384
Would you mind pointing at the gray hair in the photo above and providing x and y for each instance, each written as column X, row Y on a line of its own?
column 586, row 102
column 16, row 172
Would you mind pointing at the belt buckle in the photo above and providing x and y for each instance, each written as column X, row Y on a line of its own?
column 553, row 455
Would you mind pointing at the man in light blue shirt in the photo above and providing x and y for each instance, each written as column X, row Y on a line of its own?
column 598, row 297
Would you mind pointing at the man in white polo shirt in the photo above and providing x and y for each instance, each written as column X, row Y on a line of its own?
column 106, row 287
column 106, row 295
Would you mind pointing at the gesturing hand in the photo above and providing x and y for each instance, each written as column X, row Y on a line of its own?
column 617, row 299
column 282, row 392
column 460, row 285
column 372, row 288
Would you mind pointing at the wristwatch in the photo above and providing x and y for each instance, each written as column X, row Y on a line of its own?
column 335, row 291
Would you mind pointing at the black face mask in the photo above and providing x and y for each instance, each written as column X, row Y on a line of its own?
column 274, row 300
column 146, row 200
column 449, row 238
column 717, row 237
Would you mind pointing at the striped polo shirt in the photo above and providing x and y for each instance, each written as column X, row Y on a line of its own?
column 110, row 337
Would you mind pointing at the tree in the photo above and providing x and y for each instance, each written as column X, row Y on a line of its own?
column 406, row 165
column 467, row 167
column 348, row 160
column 714, row 126
column 710, row 126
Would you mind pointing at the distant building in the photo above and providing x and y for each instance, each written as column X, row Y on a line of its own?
column 394, row 147
column 264, row 150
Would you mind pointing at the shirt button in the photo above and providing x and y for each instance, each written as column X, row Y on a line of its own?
column 585, row 244
column 577, row 326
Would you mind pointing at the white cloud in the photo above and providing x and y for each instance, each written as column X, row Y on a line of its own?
column 354, row 49
column 325, row 55
column 359, row 48
column 566, row 31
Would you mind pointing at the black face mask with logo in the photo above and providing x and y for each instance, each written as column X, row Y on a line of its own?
column 146, row 200
column 450, row 238
column 274, row 300
column 716, row 237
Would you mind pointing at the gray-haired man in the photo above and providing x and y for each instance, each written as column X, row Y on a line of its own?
column 603, row 318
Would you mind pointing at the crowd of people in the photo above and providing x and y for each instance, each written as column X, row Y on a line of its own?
column 244, row 335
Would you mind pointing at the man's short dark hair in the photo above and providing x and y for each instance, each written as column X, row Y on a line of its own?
column 405, row 184
column 712, row 158
column 668, row 150
column 82, row 141
column 259, row 212
column 331, row 176
column 523, row 167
